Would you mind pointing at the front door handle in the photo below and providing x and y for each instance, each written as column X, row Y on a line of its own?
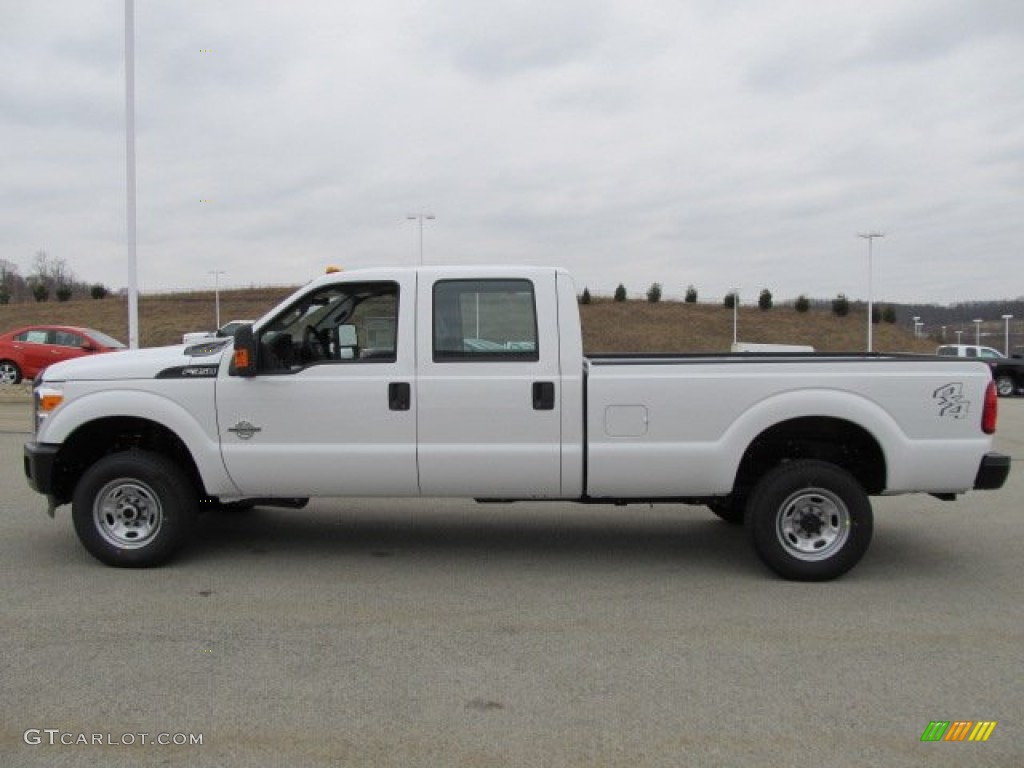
column 399, row 396
column 543, row 396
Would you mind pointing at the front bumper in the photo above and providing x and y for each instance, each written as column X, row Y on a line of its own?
column 992, row 472
column 40, row 459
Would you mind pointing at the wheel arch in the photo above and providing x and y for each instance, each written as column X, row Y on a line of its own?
column 848, row 430
column 101, row 437
column 835, row 440
column 95, row 424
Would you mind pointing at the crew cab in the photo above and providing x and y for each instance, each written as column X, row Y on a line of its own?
column 472, row 382
column 1007, row 372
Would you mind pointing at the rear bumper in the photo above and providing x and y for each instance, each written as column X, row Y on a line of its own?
column 992, row 472
column 39, row 462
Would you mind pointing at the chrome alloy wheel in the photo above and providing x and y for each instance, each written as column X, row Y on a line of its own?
column 127, row 513
column 1005, row 386
column 9, row 373
column 812, row 524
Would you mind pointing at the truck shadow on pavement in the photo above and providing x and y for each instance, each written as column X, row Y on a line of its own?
column 674, row 536
column 681, row 538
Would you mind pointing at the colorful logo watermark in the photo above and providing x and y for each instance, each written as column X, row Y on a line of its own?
column 958, row 730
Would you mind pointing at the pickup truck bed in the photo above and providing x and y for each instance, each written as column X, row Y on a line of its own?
column 638, row 406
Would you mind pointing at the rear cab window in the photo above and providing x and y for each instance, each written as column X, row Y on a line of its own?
column 485, row 320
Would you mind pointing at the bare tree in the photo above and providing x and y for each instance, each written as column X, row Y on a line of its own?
column 9, row 281
column 52, row 272
column 40, row 268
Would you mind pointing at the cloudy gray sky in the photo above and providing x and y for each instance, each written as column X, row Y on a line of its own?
column 717, row 143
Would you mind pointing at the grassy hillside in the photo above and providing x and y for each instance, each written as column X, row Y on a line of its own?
column 632, row 326
column 162, row 318
column 639, row 326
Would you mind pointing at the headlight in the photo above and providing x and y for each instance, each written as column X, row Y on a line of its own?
column 46, row 399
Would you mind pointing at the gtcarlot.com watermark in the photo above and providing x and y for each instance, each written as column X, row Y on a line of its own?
column 55, row 737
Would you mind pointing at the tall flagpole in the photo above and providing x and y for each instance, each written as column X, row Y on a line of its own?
column 129, row 119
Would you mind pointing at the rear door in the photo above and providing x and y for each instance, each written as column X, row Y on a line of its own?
column 488, row 386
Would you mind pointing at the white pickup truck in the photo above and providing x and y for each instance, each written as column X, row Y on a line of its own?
column 471, row 382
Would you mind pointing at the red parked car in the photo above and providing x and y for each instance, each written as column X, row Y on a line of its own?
column 26, row 351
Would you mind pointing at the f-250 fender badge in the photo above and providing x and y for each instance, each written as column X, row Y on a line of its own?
column 189, row 372
column 245, row 430
column 951, row 401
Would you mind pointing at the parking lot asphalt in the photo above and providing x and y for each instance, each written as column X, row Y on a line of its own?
column 441, row 633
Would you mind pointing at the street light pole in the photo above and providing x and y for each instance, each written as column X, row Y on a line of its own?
column 129, row 131
column 1006, row 347
column 216, row 292
column 977, row 332
column 735, row 311
column 420, row 217
column 870, row 237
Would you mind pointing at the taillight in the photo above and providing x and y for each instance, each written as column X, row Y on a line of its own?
column 991, row 410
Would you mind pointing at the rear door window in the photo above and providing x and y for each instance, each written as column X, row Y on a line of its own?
column 484, row 320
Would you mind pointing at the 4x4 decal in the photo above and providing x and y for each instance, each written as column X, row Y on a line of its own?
column 951, row 401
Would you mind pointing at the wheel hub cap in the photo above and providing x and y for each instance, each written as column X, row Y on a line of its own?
column 127, row 513
column 813, row 524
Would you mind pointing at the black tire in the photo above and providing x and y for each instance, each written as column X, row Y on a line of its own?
column 1005, row 386
column 10, row 373
column 732, row 511
column 809, row 520
column 134, row 509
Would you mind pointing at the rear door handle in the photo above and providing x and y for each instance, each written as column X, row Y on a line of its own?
column 543, row 396
column 399, row 396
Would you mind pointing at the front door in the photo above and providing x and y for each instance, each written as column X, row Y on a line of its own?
column 332, row 410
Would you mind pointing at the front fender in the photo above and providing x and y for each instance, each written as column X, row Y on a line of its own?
column 195, row 425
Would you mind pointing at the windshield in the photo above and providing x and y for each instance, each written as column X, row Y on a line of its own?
column 103, row 340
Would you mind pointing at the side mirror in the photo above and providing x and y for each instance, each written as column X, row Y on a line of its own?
column 243, row 361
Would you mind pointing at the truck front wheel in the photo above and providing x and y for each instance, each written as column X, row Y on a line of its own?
column 134, row 509
column 809, row 520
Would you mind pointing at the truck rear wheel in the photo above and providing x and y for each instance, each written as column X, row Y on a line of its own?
column 1005, row 386
column 809, row 520
column 134, row 509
